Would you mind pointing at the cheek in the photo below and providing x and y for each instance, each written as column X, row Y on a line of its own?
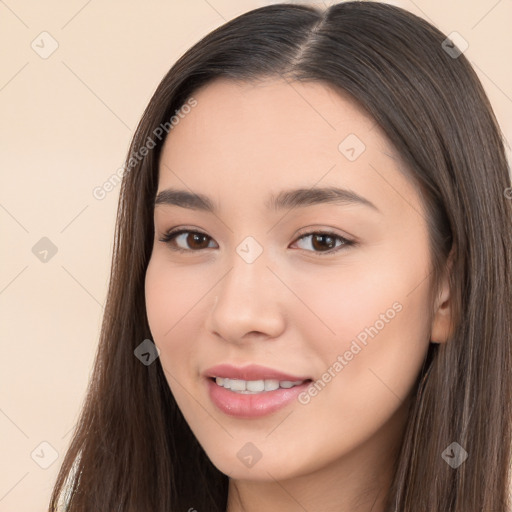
column 380, row 331
column 374, row 315
column 376, row 297
column 172, row 305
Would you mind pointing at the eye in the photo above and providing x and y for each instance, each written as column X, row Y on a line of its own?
column 326, row 242
column 194, row 241
column 194, row 238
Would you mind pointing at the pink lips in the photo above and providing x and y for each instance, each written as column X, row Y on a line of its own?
column 251, row 405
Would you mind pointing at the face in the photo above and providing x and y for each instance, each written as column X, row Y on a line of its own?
column 330, row 288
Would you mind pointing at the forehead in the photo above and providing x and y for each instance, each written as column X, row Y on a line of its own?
column 278, row 112
column 249, row 137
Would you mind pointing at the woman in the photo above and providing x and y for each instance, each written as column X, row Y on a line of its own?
column 314, row 230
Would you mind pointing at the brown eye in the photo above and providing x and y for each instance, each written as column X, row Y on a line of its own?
column 323, row 242
column 193, row 240
column 326, row 243
column 196, row 240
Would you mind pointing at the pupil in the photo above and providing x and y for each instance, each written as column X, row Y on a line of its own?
column 196, row 238
column 329, row 239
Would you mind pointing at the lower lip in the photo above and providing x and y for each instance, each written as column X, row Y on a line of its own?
column 254, row 405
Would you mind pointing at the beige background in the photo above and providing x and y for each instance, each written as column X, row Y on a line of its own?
column 65, row 125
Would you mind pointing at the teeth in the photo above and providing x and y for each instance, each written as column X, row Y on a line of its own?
column 271, row 385
column 236, row 385
column 255, row 386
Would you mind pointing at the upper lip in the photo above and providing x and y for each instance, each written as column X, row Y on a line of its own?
column 250, row 372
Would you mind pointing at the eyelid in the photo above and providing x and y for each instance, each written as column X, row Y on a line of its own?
column 315, row 229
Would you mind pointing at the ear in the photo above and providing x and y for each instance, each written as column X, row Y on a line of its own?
column 442, row 322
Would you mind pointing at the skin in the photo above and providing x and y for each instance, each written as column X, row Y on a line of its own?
column 294, row 308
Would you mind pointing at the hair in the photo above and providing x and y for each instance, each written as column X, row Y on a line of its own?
column 132, row 449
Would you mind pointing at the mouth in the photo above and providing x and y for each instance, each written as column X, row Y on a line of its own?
column 252, row 391
column 252, row 387
column 251, row 399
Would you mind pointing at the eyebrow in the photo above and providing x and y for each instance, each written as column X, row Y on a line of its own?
column 286, row 199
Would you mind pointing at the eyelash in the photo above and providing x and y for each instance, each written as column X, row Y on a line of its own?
column 170, row 235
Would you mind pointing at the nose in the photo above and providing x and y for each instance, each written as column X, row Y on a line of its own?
column 248, row 303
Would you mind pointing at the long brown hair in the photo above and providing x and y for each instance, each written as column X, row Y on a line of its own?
column 132, row 450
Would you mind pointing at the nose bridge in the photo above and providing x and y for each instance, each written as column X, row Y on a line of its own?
column 249, row 270
column 245, row 299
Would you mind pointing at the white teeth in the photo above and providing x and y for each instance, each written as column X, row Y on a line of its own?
column 255, row 386
column 271, row 385
column 237, row 385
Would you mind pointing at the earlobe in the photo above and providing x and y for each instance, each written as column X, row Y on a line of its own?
column 442, row 322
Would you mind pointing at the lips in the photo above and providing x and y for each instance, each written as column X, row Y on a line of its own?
column 254, row 405
column 251, row 372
